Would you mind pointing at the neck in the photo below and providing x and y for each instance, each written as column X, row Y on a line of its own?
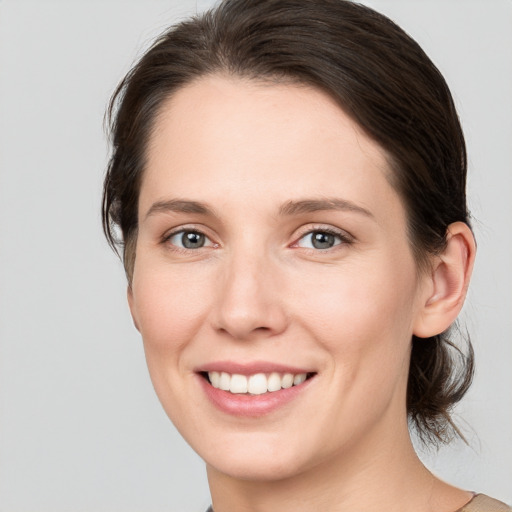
column 375, row 477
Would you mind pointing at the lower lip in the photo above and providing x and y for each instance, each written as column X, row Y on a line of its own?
column 251, row 405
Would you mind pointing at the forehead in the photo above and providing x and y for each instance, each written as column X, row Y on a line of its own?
column 223, row 138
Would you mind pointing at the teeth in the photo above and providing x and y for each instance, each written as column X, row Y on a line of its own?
column 215, row 379
column 238, row 384
column 224, row 381
column 256, row 384
column 287, row 381
column 299, row 379
column 274, row 382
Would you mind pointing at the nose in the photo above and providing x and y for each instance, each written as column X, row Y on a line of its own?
column 250, row 302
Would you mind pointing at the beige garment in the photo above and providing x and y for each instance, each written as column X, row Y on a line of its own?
column 482, row 503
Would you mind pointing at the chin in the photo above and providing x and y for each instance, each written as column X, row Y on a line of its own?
column 257, row 459
column 260, row 468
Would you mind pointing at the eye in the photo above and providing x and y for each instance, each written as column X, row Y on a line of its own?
column 189, row 239
column 320, row 239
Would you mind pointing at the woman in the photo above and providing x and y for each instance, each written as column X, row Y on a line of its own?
column 289, row 181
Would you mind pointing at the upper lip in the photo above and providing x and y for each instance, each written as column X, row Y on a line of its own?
column 250, row 368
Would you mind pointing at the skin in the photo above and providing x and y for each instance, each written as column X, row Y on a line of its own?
column 259, row 291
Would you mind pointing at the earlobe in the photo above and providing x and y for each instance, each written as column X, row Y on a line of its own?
column 131, row 304
column 449, row 281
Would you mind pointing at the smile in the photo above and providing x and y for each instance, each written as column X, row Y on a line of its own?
column 253, row 389
column 256, row 384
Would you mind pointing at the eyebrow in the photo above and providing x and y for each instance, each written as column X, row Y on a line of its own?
column 288, row 208
column 179, row 206
column 316, row 205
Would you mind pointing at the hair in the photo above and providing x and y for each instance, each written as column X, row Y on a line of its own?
column 379, row 76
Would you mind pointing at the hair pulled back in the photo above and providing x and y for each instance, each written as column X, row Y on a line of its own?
column 378, row 75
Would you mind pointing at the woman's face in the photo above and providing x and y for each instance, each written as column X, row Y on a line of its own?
column 271, row 244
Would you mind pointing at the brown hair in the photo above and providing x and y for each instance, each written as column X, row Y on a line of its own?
column 378, row 75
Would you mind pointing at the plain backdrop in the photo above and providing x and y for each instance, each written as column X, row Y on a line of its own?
column 80, row 426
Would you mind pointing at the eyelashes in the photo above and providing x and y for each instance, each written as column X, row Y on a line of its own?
column 322, row 239
column 189, row 239
column 314, row 239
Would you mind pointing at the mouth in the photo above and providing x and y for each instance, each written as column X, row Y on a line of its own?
column 256, row 383
column 254, row 389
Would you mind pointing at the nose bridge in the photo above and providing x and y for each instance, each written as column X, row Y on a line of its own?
column 249, row 301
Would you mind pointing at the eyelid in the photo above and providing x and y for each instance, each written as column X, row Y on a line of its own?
column 191, row 229
column 345, row 236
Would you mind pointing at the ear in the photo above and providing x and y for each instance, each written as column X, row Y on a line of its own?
column 447, row 283
column 131, row 304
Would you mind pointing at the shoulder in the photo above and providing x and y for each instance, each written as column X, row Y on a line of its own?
column 483, row 503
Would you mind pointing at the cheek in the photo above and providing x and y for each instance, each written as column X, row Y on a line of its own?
column 364, row 315
column 363, row 321
column 169, row 305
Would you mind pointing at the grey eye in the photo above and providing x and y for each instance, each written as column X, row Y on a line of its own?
column 189, row 239
column 319, row 240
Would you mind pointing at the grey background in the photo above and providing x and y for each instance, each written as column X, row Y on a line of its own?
column 80, row 426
